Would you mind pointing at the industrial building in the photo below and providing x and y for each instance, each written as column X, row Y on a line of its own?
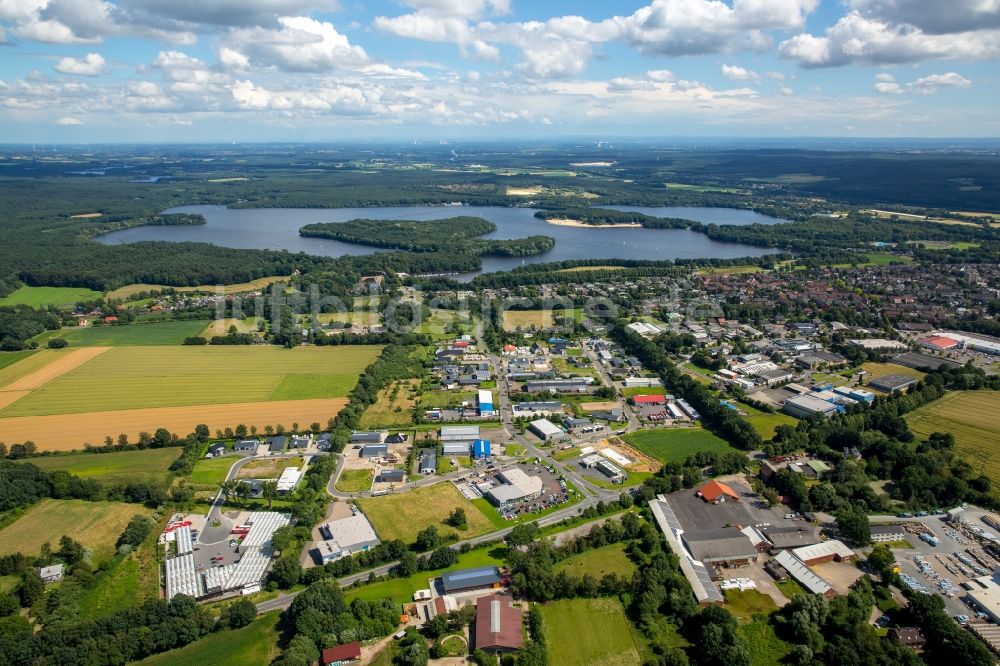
column 485, row 400
column 726, row 546
column 654, row 400
column 367, row 437
column 642, row 382
column 390, row 476
column 985, row 344
column 545, row 429
column 605, row 467
column 823, row 552
column 481, row 448
column 939, row 343
column 289, row 479
column 784, row 538
column 697, row 574
column 345, row 537
column 805, row 576
column 985, row 596
column 804, row 406
column 498, row 625
column 892, row 383
column 579, row 385
column 465, row 580
column 459, row 435
column 887, row 533
column 537, row 408
column 518, row 487
column 373, row 451
column 455, row 449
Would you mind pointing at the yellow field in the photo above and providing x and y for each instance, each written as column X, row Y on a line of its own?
column 524, row 191
column 58, row 366
column 512, row 319
column 584, row 269
column 253, row 285
column 29, row 364
column 402, row 515
column 96, row 525
column 65, row 432
column 971, row 417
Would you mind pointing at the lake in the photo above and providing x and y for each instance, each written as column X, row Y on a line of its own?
column 278, row 229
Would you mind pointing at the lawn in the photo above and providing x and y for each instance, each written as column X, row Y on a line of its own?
column 878, row 369
column 212, row 471
column 651, row 390
column 744, row 605
column 268, row 468
column 598, row 562
column 60, row 297
column 96, row 525
column 584, row 632
column 141, row 377
column 149, row 466
column 253, row 645
column 355, row 480
column 402, row 515
column 971, row 417
column 765, row 648
column 158, row 333
column 764, row 423
column 675, row 445
column 394, row 406
column 791, row 588
column 430, row 399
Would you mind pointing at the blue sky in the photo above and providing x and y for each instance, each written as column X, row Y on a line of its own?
column 326, row 70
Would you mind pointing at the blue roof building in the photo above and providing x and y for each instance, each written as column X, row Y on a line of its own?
column 481, row 448
column 471, row 579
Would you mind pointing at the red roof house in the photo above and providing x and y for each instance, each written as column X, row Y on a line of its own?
column 498, row 625
column 649, row 399
column 717, row 492
column 341, row 654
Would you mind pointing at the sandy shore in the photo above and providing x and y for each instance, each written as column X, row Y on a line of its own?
column 566, row 222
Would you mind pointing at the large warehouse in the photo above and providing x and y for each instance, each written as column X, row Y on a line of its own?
column 823, row 552
column 545, row 429
column 518, row 487
column 465, row 580
column 727, row 546
column 804, row 406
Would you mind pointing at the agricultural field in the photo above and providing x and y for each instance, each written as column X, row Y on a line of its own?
column 60, row 297
column 242, row 287
column 150, row 466
column 598, row 562
column 675, row 445
column 96, row 525
column 157, row 333
column 253, row 645
column 971, row 417
column 394, row 406
column 139, row 378
column 514, row 319
column 212, row 471
column 355, row 480
column 222, row 326
column 586, row 632
column 879, row 369
column 10, row 358
column 131, row 580
column 402, row 515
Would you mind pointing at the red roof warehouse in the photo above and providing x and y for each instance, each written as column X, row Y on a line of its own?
column 498, row 624
column 939, row 342
column 716, row 492
column 342, row 654
column 649, row 399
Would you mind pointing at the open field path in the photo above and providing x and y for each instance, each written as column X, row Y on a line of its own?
column 58, row 366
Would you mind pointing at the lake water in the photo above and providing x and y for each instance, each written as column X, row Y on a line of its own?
column 278, row 229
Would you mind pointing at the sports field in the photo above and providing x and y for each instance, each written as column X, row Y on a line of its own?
column 254, row 645
column 675, row 445
column 598, row 562
column 150, row 466
column 138, row 378
column 154, row 333
column 96, row 525
column 588, row 632
column 971, row 417
column 59, row 297
column 402, row 515
column 65, row 432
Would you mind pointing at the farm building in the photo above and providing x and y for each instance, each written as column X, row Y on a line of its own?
column 803, row 574
column 276, row 444
column 481, row 448
column 428, row 463
column 545, row 429
column 804, row 406
column 651, row 400
column 373, row 451
column 518, row 487
column 887, row 533
column 346, row 537
column 390, row 476
column 51, row 574
column 367, row 437
column 892, row 383
column 465, row 580
column 716, row 492
column 823, row 552
column 485, row 401
column 341, row 655
column 498, row 625
column 216, row 450
column 727, row 546
column 289, row 479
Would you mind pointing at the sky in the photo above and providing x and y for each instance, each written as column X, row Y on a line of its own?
column 95, row 71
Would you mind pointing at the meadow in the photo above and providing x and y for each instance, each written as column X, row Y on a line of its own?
column 60, row 297
column 971, row 417
column 153, row 333
column 764, row 423
column 878, row 369
column 394, row 406
column 138, row 378
column 254, row 645
column 675, row 445
column 402, row 515
column 514, row 319
column 355, row 480
column 585, row 632
column 96, row 525
column 211, row 471
column 10, row 358
column 598, row 562
column 149, row 466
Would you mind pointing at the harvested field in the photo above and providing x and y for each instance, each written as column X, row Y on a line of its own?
column 24, row 365
column 971, row 417
column 65, row 432
column 59, row 365
column 524, row 191
column 402, row 515
column 10, row 397
column 253, row 285
column 85, row 216
column 599, row 406
column 96, row 525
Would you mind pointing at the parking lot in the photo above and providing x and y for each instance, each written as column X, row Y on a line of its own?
column 553, row 490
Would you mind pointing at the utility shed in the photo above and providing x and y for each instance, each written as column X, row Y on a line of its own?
column 498, row 625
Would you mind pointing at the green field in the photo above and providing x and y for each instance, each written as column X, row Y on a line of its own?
column 212, row 471
column 10, row 358
column 598, row 562
column 394, row 406
column 744, row 605
column 59, row 297
column 675, row 445
column 21, row 364
column 402, row 515
column 971, row 417
column 148, row 466
column 588, row 632
column 159, row 333
column 878, row 369
column 128, row 581
column 253, row 645
column 355, row 480
column 429, row 399
column 140, row 377
column 96, row 525
column 652, row 390
column 765, row 423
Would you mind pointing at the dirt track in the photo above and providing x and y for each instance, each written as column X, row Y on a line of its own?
column 63, row 432
column 59, row 366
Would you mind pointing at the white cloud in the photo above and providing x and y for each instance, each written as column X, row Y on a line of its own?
column 935, row 17
column 885, row 77
column 221, row 12
column 91, row 64
column 858, row 39
column 68, row 120
column 301, row 44
column 888, row 88
column 233, row 59
column 929, row 85
column 460, row 8
column 82, row 22
column 737, row 73
column 786, row 90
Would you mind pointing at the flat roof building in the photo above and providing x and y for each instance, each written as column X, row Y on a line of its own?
column 697, row 573
column 887, row 533
column 390, row 476
column 545, row 429
column 485, row 400
column 477, row 578
column 498, row 625
column 518, row 487
column 985, row 595
column 892, row 383
column 783, row 538
column 347, row 536
column 804, row 406
column 289, row 479
column 455, row 449
column 367, row 437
